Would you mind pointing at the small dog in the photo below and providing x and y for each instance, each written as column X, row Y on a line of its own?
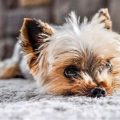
column 74, row 59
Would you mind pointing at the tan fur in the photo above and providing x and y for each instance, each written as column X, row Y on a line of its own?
column 56, row 82
column 26, row 44
column 9, row 71
column 47, row 60
column 61, row 85
column 105, row 18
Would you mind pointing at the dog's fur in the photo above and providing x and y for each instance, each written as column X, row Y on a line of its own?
column 71, row 59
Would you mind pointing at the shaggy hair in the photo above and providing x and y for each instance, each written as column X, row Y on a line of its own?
column 74, row 58
column 88, row 47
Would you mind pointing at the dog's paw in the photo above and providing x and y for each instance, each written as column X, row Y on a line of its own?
column 3, row 69
column 2, row 66
column 105, row 18
column 7, row 69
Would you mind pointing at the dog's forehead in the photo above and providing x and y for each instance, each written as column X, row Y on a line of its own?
column 92, row 41
column 75, row 37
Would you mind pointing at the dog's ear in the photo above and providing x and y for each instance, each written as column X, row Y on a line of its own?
column 33, row 35
column 104, row 18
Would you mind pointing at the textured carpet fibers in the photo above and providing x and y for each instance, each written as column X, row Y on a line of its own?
column 20, row 100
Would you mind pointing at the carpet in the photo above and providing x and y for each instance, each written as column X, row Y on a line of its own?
column 20, row 100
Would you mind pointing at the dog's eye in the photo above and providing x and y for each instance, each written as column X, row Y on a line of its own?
column 71, row 71
column 109, row 66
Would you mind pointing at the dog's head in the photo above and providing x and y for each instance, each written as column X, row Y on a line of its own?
column 73, row 59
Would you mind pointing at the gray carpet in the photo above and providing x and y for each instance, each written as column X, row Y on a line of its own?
column 20, row 100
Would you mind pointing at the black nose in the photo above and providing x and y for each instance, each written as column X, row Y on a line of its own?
column 98, row 92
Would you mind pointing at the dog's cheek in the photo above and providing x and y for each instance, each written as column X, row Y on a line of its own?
column 116, row 74
column 39, row 70
column 115, row 83
column 59, row 85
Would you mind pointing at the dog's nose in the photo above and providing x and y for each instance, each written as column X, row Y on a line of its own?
column 98, row 92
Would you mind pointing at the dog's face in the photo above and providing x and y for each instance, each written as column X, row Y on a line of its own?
column 72, row 59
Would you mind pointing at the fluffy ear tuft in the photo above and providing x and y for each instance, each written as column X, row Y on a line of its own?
column 34, row 34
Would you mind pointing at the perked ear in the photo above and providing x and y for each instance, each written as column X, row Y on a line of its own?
column 104, row 18
column 33, row 35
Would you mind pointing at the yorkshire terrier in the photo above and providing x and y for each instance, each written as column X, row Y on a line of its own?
column 77, row 58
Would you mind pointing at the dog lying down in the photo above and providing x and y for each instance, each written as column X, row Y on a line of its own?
column 73, row 59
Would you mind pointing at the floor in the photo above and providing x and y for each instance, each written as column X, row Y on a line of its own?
column 20, row 100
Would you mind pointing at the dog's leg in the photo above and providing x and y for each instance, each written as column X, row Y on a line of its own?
column 10, row 67
column 105, row 18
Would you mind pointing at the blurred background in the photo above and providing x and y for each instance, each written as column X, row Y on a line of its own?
column 12, row 13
